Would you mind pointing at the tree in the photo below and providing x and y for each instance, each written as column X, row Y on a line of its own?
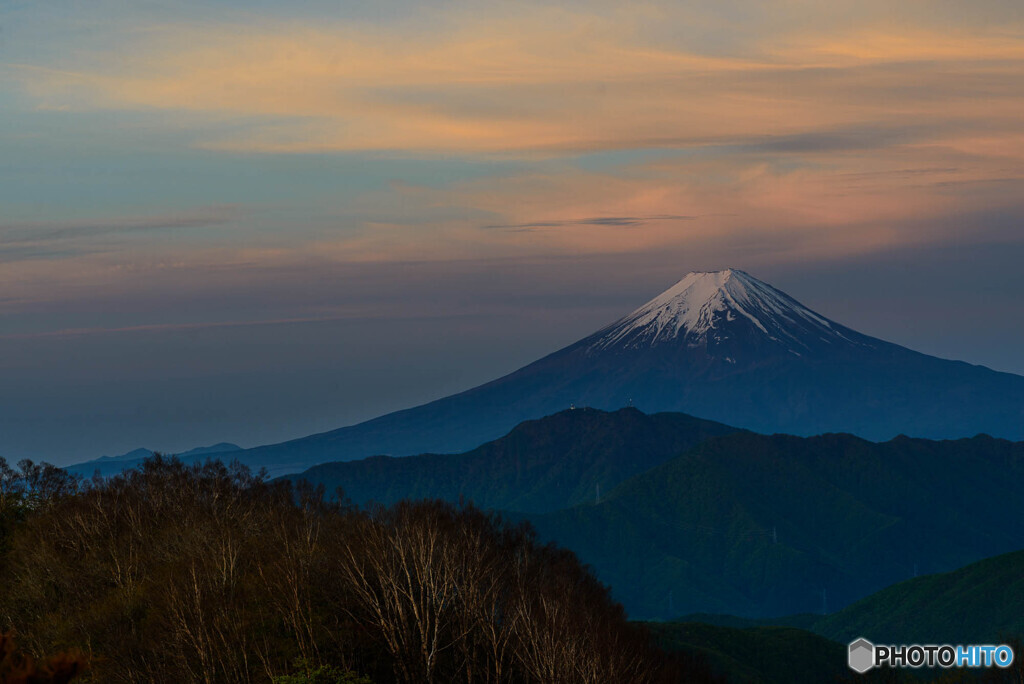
column 207, row 573
column 19, row 668
column 307, row 673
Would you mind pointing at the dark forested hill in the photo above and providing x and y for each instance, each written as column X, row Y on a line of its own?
column 980, row 603
column 542, row 465
column 738, row 523
column 760, row 525
column 206, row 573
column 758, row 654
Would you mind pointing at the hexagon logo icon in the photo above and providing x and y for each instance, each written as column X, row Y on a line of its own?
column 861, row 657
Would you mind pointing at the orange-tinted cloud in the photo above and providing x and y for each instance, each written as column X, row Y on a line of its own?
column 810, row 140
column 548, row 80
column 908, row 44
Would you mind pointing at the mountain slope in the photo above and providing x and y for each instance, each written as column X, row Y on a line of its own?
column 111, row 465
column 756, row 525
column 720, row 345
column 542, row 465
column 728, row 312
column 758, row 655
column 723, row 346
column 980, row 603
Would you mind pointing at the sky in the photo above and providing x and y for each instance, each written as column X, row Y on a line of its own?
column 252, row 221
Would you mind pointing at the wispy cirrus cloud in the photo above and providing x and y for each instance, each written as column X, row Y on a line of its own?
column 62, row 239
column 42, row 231
column 615, row 221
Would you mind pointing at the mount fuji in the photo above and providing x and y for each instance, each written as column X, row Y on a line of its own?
column 726, row 316
column 719, row 345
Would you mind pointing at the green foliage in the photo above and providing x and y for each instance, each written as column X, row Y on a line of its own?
column 758, row 525
column 306, row 673
column 980, row 603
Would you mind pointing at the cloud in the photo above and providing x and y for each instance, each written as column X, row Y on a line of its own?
column 55, row 240
column 171, row 327
column 618, row 221
column 791, row 129
column 42, row 231
column 908, row 44
column 546, row 81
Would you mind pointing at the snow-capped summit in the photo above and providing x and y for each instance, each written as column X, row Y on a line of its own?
column 715, row 309
column 721, row 345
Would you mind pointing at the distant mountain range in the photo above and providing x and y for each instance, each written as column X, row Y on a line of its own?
column 111, row 465
column 761, row 525
column 721, row 345
column 542, row 465
column 697, row 517
column 682, row 515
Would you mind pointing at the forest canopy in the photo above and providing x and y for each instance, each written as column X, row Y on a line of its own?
column 209, row 573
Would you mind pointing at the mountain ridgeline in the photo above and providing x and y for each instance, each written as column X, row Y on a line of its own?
column 740, row 511
column 112, row 465
column 541, row 466
column 740, row 523
column 721, row 345
column 770, row 525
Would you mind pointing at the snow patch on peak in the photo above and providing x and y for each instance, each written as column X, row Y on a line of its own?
column 708, row 301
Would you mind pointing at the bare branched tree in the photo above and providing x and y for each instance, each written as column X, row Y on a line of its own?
column 206, row 573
